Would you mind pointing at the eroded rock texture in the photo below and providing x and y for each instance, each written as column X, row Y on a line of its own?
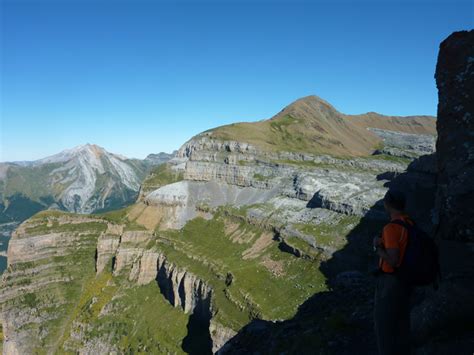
column 449, row 310
column 455, row 146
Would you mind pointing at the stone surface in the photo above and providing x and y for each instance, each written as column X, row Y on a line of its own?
column 442, row 321
column 219, row 335
column 455, row 145
column 407, row 145
column 107, row 245
column 148, row 268
column 40, row 264
column 185, row 199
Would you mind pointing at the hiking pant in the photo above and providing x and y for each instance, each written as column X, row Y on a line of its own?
column 392, row 315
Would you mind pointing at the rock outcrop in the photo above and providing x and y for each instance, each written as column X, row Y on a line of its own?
column 219, row 335
column 189, row 199
column 455, row 145
column 180, row 287
column 45, row 267
column 160, row 158
column 183, row 289
column 407, row 145
column 449, row 310
column 107, row 245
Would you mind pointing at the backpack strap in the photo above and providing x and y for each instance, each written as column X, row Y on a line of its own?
column 402, row 223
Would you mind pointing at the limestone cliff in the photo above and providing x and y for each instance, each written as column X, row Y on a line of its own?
column 47, row 263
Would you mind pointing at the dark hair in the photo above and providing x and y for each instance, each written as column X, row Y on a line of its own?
column 395, row 199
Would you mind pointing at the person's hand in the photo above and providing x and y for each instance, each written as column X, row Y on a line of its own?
column 377, row 242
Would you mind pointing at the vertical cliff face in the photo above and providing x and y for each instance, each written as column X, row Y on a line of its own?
column 449, row 311
column 50, row 260
column 126, row 253
column 179, row 287
column 107, row 245
column 455, row 146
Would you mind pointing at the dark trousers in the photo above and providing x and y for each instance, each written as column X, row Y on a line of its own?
column 392, row 315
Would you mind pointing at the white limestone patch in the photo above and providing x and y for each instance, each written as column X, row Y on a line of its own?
column 186, row 196
column 399, row 142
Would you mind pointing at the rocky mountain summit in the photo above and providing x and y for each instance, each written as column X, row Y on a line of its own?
column 83, row 179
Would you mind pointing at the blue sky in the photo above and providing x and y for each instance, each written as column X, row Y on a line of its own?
column 139, row 77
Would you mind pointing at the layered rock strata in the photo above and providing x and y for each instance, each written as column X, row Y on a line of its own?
column 43, row 267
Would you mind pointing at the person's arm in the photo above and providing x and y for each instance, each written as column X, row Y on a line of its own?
column 389, row 252
column 390, row 255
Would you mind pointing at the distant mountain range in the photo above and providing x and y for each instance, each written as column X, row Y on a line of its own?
column 84, row 179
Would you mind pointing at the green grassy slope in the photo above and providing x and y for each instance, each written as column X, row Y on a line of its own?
column 266, row 282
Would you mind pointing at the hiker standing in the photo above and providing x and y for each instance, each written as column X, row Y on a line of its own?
column 392, row 295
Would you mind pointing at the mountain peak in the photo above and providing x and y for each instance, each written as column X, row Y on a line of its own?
column 86, row 146
column 87, row 149
column 306, row 107
column 311, row 100
column 309, row 125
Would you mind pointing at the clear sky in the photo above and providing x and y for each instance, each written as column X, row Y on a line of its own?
column 140, row 77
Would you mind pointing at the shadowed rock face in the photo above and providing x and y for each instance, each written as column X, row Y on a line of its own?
column 455, row 146
column 448, row 313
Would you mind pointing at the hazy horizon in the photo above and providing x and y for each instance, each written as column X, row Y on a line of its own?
column 141, row 79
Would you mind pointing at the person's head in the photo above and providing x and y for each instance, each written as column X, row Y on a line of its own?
column 394, row 201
